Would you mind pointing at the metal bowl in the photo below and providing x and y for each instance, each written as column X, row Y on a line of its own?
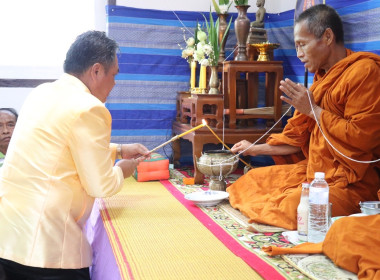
column 370, row 207
column 217, row 162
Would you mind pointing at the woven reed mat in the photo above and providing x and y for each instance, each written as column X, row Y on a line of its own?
column 254, row 236
column 154, row 236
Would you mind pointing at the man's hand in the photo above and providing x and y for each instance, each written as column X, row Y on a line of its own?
column 128, row 166
column 134, row 151
column 241, row 146
column 298, row 97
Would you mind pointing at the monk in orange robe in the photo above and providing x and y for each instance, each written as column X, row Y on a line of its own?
column 344, row 100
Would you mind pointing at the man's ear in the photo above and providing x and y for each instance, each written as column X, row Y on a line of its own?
column 329, row 36
column 96, row 70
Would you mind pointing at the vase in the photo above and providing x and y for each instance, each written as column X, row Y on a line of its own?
column 242, row 25
column 222, row 30
column 214, row 81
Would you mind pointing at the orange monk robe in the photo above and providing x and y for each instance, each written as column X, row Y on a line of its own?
column 353, row 243
column 349, row 96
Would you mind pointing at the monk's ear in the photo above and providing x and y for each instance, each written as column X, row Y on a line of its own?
column 329, row 36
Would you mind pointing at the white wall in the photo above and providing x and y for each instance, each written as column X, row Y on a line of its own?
column 36, row 34
column 35, row 37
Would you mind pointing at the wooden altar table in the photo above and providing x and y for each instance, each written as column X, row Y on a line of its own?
column 274, row 74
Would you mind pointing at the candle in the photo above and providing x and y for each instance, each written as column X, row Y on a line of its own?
column 176, row 137
column 220, row 140
column 192, row 77
column 202, row 77
column 190, row 130
column 163, row 144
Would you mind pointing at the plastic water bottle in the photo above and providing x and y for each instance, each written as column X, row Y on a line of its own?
column 318, row 221
column 303, row 213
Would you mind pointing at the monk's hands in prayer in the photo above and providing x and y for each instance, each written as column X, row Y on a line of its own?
column 298, row 97
column 242, row 146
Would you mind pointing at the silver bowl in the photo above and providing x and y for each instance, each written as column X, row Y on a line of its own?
column 370, row 207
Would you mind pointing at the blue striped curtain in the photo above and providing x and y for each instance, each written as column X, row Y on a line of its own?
column 143, row 101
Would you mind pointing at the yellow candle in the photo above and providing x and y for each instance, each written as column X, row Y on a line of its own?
column 190, row 130
column 192, row 77
column 202, row 77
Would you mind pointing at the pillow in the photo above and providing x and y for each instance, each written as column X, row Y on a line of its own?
column 153, row 169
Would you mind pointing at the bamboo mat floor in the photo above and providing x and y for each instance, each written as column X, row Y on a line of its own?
column 157, row 234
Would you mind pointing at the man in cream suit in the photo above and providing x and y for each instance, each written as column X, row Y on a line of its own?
column 59, row 159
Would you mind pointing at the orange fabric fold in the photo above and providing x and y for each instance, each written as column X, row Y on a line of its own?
column 353, row 243
column 348, row 95
column 304, row 248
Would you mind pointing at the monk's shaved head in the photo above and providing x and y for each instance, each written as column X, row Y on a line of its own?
column 319, row 18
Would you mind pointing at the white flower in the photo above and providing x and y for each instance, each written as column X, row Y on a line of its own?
column 202, row 36
column 199, row 53
column 205, row 62
column 190, row 42
column 207, row 49
column 187, row 52
column 224, row 9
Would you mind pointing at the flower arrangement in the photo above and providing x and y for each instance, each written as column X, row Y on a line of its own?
column 204, row 47
column 223, row 7
column 241, row 2
column 212, row 30
column 203, row 50
column 191, row 44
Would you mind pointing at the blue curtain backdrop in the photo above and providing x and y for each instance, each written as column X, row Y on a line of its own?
column 143, row 101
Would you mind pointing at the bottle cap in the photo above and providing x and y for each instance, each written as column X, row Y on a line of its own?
column 319, row 175
column 305, row 185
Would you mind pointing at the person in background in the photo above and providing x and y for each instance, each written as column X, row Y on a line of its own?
column 8, row 119
column 59, row 159
column 344, row 99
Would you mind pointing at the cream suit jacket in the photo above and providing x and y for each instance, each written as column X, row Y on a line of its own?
column 59, row 159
